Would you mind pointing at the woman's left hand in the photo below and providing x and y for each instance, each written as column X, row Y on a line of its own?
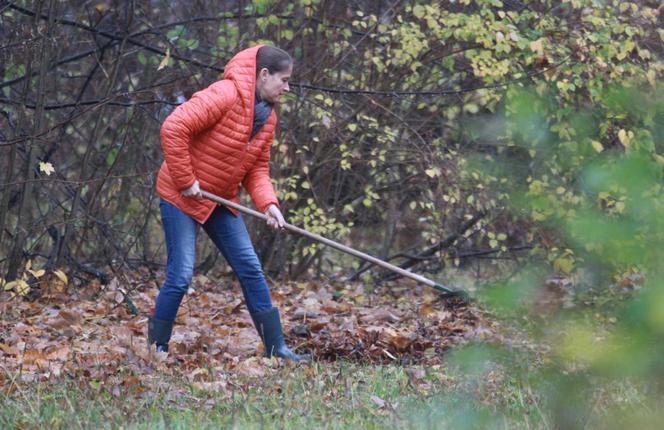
column 275, row 219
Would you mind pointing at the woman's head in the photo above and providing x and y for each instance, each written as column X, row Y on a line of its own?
column 273, row 70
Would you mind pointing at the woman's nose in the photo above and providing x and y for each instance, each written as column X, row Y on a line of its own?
column 286, row 87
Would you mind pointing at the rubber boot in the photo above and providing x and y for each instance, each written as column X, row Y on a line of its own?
column 159, row 333
column 269, row 328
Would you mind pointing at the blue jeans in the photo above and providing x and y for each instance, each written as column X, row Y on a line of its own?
column 230, row 235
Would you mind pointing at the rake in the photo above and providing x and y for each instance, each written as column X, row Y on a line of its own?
column 447, row 291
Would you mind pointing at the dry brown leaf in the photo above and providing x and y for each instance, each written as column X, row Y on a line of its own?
column 425, row 310
column 234, row 307
column 400, row 342
column 60, row 353
column 380, row 315
column 8, row 349
column 72, row 316
column 31, row 356
column 251, row 367
column 378, row 401
column 304, row 313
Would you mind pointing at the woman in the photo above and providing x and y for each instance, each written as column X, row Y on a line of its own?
column 218, row 140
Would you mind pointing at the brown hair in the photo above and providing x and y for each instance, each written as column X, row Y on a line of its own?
column 273, row 59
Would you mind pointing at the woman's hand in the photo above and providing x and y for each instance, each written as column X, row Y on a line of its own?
column 275, row 219
column 194, row 191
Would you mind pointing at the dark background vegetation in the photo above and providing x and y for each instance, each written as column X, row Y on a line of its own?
column 371, row 144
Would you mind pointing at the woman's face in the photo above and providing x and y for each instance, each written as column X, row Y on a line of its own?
column 272, row 86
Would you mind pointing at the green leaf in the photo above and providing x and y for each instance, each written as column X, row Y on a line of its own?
column 175, row 33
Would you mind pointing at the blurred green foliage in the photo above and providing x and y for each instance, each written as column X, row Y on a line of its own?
column 605, row 209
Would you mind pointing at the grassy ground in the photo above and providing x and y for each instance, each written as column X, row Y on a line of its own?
column 322, row 395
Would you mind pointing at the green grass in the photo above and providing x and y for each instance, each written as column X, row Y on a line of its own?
column 336, row 395
column 323, row 395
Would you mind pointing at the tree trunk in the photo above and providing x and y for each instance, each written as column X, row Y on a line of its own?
column 22, row 219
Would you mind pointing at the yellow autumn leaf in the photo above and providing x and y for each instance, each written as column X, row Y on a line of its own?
column 538, row 216
column 597, row 146
column 20, row 286
column 625, row 137
column 164, row 61
column 565, row 265
column 644, row 54
column 537, row 46
column 659, row 159
column 37, row 273
column 652, row 78
column 419, row 11
column 46, row 168
column 60, row 274
column 471, row 108
column 101, row 7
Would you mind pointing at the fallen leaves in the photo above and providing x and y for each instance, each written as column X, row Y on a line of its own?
column 93, row 337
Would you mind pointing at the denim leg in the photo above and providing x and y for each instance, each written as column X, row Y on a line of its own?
column 180, row 231
column 230, row 235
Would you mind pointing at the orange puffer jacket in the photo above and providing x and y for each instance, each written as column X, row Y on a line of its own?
column 207, row 138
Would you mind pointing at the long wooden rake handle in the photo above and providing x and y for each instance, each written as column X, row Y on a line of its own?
column 439, row 287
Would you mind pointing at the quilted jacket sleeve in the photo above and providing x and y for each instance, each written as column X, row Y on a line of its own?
column 203, row 110
column 258, row 183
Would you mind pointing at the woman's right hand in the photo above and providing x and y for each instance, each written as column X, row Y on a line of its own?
column 194, row 191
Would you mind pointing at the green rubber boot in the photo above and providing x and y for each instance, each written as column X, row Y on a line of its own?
column 268, row 324
column 159, row 333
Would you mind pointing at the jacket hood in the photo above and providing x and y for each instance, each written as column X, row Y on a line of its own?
column 241, row 69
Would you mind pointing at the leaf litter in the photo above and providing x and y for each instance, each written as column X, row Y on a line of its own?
column 86, row 333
